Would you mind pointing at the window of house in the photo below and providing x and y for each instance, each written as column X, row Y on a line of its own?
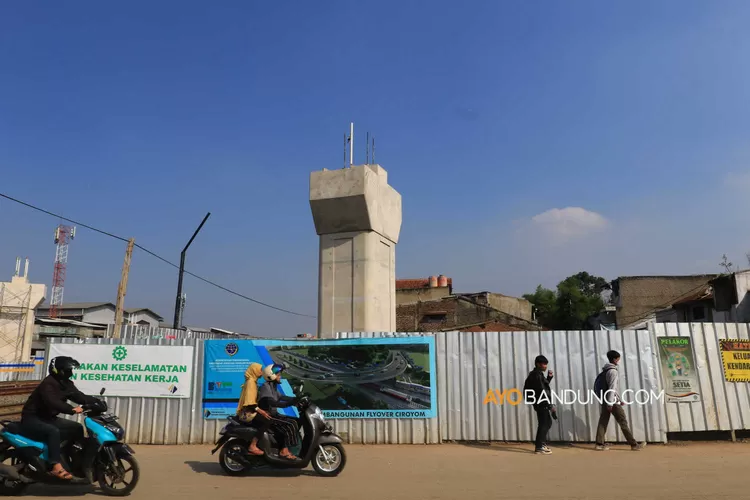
column 699, row 313
column 435, row 317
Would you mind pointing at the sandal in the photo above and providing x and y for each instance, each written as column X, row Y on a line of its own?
column 257, row 452
column 61, row 474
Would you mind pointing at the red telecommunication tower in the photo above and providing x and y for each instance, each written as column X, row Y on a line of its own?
column 63, row 236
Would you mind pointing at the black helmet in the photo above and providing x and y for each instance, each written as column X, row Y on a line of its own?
column 62, row 367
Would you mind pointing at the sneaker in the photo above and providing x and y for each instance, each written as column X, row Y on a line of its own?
column 543, row 451
column 545, row 447
column 638, row 446
column 602, row 447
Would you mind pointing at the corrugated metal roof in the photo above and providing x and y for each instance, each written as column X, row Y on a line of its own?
column 79, row 305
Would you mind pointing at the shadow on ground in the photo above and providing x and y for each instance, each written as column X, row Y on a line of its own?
column 45, row 490
column 214, row 469
column 498, row 446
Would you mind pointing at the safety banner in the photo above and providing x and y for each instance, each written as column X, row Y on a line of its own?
column 678, row 369
column 146, row 371
column 735, row 356
column 347, row 378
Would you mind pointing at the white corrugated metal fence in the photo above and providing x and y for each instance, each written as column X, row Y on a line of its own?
column 471, row 364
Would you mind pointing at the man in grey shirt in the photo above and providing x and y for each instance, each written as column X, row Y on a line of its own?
column 612, row 405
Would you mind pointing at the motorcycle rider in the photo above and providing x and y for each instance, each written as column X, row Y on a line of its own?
column 285, row 429
column 39, row 419
column 247, row 408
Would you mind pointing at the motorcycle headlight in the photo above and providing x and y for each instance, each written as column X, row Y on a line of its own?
column 118, row 431
column 223, row 430
column 319, row 415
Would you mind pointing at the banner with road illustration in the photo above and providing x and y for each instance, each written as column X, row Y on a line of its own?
column 678, row 369
column 347, row 378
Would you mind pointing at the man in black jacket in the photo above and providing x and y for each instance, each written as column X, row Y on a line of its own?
column 537, row 390
column 39, row 419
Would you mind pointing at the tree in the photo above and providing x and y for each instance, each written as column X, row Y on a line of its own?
column 728, row 266
column 544, row 301
column 576, row 299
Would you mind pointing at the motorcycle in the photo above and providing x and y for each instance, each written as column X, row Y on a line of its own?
column 100, row 457
column 320, row 445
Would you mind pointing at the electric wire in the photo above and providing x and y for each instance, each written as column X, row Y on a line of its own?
column 154, row 254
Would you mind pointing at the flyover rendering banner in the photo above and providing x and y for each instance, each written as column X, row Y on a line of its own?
column 348, row 378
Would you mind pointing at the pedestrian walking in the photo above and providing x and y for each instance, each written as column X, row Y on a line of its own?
column 607, row 386
column 536, row 390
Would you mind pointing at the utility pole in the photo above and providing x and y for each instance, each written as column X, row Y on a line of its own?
column 123, row 288
column 178, row 305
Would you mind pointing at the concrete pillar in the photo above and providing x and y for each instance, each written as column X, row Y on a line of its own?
column 358, row 218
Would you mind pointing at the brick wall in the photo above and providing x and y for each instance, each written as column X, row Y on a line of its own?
column 638, row 296
column 459, row 314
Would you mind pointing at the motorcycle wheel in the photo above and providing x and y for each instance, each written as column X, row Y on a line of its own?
column 330, row 460
column 230, row 466
column 109, row 480
column 10, row 488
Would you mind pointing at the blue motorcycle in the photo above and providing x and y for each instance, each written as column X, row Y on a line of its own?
column 100, row 457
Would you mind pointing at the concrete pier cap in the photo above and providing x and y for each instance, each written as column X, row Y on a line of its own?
column 358, row 218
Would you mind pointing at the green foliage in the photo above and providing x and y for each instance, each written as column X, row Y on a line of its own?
column 576, row 299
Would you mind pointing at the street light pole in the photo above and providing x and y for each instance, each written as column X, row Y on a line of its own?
column 178, row 303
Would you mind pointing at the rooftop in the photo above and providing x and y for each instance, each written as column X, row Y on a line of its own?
column 672, row 277
column 704, row 293
column 79, row 305
column 416, row 284
column 490, row 326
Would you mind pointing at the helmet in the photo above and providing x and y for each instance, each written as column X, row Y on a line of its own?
column 62, row 367
column 272, row 372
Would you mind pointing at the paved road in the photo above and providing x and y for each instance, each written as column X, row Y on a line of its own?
column 692, row 472
column 391, row 371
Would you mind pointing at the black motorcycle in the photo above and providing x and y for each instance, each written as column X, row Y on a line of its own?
column 100, row 457
column 320, row 445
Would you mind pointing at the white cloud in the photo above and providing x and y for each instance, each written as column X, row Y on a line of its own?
column 737, row 180
column 569, row 222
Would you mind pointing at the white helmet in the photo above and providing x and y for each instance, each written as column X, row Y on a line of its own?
column 269, row 374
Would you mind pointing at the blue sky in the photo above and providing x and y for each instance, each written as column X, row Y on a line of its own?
column 529, row 140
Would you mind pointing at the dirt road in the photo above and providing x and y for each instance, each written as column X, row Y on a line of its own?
column 694, row 471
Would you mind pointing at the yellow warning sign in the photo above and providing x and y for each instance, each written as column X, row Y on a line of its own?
column 735, row 356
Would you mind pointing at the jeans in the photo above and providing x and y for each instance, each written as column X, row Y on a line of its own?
column 52, row 433
column 545, row 424
column 619, row 413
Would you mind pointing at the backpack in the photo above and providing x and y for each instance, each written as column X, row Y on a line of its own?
column 600, row 384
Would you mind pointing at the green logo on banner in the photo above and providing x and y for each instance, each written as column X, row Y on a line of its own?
column 119, row 353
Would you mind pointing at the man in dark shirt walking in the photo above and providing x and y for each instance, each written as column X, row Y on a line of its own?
column 537, row 390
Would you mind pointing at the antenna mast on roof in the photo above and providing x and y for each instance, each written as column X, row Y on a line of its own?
column 351, row 144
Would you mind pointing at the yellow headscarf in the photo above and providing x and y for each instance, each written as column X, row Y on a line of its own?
column 249, row 395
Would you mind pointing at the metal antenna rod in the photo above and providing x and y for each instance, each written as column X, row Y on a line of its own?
column 351, row 144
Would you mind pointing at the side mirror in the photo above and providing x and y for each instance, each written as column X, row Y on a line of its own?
column 101, row 393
